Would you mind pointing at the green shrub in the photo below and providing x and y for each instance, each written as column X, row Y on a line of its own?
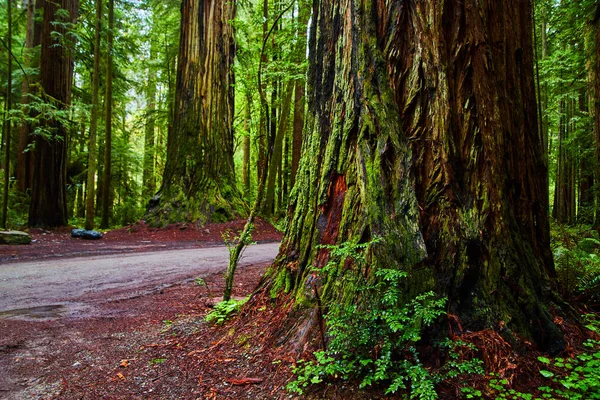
column 374, row 340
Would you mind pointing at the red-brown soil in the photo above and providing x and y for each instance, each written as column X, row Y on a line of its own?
column 155, row 346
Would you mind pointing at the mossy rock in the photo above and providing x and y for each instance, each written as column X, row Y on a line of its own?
column 14, row 237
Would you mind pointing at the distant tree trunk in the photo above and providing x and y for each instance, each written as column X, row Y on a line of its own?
column 564, row 197
column 299, row 103
column 285, row 169
column 92, row 152
column 149, row 181
column 585, row 210
column 32, row 40
column 48, row 195
column 423, row 131
column 275, row 163
column 595, row 93
column 108, row 101
column 263, row 130
column 246, row 170
column 7, row 133
column 199, row 178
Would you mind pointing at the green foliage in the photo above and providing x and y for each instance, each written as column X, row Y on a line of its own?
column 18, row 207
column 577, row 259
column 224, row 310
column 372, row 340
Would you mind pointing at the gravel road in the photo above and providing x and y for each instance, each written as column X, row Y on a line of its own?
column 71, row 286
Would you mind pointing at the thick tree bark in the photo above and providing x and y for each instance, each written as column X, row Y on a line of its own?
column 199, row 179
column 92, row 145
column 423, row 131
column 48, row 195
column 108, row 101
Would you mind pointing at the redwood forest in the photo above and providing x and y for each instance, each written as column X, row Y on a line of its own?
column 320, row 199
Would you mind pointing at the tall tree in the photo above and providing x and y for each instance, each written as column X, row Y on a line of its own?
column 299, row 101
column 31, row 63
column 199, row 179
column 7, row 124
column 108, row 101
column 148, row 178
column 92, row 152
column 595, row 95
column 423, row 131
column 48, row 195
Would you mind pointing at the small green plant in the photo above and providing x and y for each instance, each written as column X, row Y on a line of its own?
column 157, row 361
column 224, row 310
column 574, row 378
column 200, row 282
column 373, row 341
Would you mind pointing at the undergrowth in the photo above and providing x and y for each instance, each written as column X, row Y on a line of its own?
column 225, row 310
column 374, row 341
column 577, row 258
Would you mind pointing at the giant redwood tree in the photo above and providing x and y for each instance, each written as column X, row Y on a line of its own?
column 199, row 179
column 49, row 183
column 422, row 131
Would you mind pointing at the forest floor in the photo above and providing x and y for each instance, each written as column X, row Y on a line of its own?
column 151, row 346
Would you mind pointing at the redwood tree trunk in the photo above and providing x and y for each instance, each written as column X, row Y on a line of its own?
column 92, row 153
column 149, row 181
column 595, row 92
column 422, row 130
column 108, row 101
column 48, row 194
column 32, row 40
column 199, row 180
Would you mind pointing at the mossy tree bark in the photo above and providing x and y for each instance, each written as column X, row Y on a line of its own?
column 199, row 180
column 48, row 194
column 422, row 130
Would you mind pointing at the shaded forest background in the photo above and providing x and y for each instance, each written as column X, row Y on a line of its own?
column 140, row 90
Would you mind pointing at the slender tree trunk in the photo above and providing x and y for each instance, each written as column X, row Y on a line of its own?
column 422, row 130
column 263, row 154
column 92, row 151
column 48, row 195
column 246, row 170
column 277, row 151
column 7, row 124
column 595, row 92
column 585, row 210
column 24, row 156
column 108, row 101
column 199, row 179
column 149, row 181
column 299, row 103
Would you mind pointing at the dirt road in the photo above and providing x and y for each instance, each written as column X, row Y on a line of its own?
column 60, row 287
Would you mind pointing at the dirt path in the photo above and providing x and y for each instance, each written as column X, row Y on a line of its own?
column 73, row 286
